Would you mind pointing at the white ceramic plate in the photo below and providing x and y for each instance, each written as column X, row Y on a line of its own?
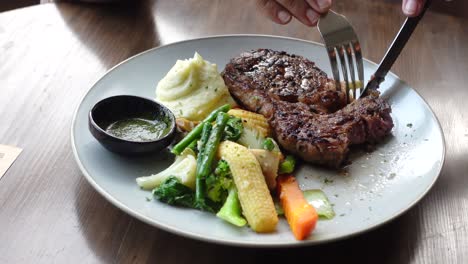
column 380, row 185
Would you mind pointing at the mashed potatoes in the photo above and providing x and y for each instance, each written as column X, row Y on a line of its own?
column 193, row 88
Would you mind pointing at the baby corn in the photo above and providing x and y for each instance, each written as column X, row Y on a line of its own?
column 254, row 196
column 252, row 120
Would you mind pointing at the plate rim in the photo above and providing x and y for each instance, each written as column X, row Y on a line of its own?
column 231, row 242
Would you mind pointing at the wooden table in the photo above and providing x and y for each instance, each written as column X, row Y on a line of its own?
column 50, row 56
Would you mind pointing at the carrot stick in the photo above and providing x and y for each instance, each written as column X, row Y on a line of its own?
column 301, row 216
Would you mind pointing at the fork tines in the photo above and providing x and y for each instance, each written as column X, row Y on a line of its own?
column 340, row 38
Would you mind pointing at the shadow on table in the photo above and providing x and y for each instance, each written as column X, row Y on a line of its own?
column 388, row 244
column 114, row 236
column 119, row 30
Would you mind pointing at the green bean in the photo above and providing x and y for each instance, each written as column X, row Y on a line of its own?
column 189, row 138
column 205, row 159
column 212, row 144
column 193, row 146
column 213, row 115
column 195, row 133
column 199, row 182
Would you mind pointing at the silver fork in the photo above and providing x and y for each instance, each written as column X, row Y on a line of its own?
column 340, row 38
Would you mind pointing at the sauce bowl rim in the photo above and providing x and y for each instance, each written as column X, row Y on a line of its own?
column 134, row 97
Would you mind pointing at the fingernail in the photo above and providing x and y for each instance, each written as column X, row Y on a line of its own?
column 323, row 4
column 410, row 7
column 312, row 16
column 284, row 16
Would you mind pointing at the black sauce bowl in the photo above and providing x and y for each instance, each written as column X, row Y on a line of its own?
column 112, row 109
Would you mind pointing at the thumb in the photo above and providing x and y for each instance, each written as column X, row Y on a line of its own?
column 412, row 8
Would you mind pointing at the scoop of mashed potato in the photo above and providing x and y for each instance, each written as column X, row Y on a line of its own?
column 193, row 88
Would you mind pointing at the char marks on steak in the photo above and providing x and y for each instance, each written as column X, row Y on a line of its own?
column 309, row 116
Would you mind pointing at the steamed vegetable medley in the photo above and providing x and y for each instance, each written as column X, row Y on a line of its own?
column 227, row 163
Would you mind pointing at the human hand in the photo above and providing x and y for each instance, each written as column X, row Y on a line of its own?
column 308, row 11
column 412, row 8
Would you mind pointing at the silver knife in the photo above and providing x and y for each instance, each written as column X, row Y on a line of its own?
column 394, row 51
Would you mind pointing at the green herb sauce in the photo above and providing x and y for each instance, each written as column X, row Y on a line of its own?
column 138, row 129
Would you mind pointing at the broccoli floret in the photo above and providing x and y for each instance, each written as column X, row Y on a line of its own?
column 222, row 169
column 173, row 192
column 233, row 129
column 219, row 182
column 231, row 210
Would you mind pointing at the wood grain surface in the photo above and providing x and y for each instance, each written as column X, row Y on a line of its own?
column 51, row 54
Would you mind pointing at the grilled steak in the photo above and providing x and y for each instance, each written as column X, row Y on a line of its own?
column 309, row 115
